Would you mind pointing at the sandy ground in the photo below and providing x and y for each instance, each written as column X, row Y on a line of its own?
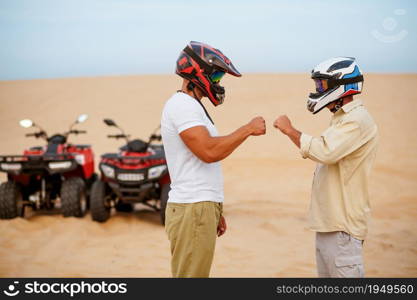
column 267, row 184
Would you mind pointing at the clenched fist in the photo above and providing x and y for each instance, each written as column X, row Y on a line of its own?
column 257, row 126
column 283, row 123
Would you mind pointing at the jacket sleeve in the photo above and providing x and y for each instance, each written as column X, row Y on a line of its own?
column 334, row 144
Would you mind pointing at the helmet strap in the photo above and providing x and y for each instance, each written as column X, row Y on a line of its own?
column 339, row 104
column 207, row 114
column 191, row 87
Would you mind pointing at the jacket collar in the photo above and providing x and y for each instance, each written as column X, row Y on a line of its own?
column 351, row 105
column 345, row 109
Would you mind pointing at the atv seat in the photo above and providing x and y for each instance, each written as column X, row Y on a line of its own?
column 36, row 148
column 137, row 146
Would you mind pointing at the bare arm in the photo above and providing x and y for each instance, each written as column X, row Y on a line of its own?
column 211, row 149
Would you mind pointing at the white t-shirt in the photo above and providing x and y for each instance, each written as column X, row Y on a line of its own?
column 192, row 180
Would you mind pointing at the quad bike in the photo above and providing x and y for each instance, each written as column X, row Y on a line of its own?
column 43, row 175
column 137, row 174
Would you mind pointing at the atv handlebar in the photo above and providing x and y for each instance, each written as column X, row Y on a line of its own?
column 117, row 136
column 43, row 133
column 36, row 134
column 74, row 131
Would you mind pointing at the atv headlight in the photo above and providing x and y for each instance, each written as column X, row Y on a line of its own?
column 155, row 172
column 11, row 166
column 107, row 171
column 80, row 159
column 60, row 165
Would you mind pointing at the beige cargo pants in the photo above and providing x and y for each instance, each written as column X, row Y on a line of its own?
column 338, row 254
column 192, row 232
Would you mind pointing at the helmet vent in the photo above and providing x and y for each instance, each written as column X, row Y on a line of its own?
column 340, row 65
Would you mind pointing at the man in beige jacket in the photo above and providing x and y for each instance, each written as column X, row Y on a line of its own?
column 345, row 152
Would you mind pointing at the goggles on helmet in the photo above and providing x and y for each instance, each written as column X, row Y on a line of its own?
column 216, row 76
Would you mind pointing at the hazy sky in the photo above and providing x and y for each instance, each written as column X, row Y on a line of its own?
column 57, row 38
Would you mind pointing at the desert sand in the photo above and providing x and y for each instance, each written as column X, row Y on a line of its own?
column 267, row 183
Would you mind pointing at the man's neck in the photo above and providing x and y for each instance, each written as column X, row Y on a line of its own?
column 192, row 93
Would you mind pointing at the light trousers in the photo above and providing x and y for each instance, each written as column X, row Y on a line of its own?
column 338, row 254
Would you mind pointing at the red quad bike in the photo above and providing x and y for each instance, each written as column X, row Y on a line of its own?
column 42, row 175
column 137, row 174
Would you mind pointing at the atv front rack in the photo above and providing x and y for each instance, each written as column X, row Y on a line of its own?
column 44, row 157
column 37, row 164
column 134, row 159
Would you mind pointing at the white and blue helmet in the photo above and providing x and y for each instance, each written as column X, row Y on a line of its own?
column 335, row 78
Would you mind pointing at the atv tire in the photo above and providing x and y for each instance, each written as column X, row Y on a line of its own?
column 10, row 197
column 100, row 212
column 164, row 199
column 73, row 197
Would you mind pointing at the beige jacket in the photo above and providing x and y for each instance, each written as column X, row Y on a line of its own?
column 345, row 153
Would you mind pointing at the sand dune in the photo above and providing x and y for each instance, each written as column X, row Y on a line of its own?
column 267, row 184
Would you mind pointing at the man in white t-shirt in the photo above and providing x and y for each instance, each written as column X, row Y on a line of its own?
column 193, row 150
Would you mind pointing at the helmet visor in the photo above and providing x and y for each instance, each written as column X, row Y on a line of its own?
column 321, row 85
column 216, row 76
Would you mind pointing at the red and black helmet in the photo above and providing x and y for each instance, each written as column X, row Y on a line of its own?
column 204, row 66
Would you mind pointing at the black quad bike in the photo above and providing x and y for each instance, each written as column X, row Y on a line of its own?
column 43, row 175
column 137, row 174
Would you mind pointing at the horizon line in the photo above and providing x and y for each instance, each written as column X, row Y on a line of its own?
column 166, row 74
